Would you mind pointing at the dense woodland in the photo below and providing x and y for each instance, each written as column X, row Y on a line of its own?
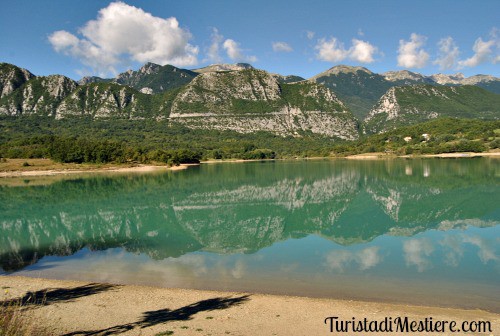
column 100, row 141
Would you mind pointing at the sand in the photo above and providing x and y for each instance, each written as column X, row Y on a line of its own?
column 52, row 172
column 380, row 155
column 80, row 308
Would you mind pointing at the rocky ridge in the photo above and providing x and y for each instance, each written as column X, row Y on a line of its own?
column 406, row 105
column 361, row 89
column 11, row 78
column 251, row 100
column 40, row 96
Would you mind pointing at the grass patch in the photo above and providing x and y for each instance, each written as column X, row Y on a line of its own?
column 7, row 165
column 165, row 333
column 15, row 322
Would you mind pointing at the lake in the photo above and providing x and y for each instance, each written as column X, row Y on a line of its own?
column 419, row 231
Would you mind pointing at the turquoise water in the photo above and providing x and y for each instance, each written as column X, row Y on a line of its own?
column 413, row 231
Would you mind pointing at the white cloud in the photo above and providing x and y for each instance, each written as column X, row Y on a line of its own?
column 338, row 260
column 122, row 33
column 486, row 251
column 454, row 250
column 333, row 51
column 213, row 51
column 448, row 54
column 362, row 51
column 411, row 54
column 483, row 51
column 366, row 259
column 235, row 53
column 281, row 46
column 360, row 32
column 416, row 252
column 98, row 59
column 310, row 34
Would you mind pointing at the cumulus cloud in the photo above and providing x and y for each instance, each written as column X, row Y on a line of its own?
column 333, row 50
column 411, row 54
column 235, row 53
column 483, row 52
column 213, row 54
column 362, row 51
column 122, row 33
column 281, row 47
column 448, row 54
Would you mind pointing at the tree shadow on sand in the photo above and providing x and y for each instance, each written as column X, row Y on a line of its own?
column 152, row 318
column 45, row 297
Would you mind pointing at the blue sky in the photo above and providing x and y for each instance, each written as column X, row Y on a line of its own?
column 92, row 37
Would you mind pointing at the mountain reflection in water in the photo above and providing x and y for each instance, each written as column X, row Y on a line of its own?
column 365, row 213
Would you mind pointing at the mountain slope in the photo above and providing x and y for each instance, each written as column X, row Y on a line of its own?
column 106, row 100
column 253, row 100
column 358, row 87
column 408, row 105
column 150, row 78
column 12, row 77
column 223, row 67
column 405, row 77
column 154, row 78
column 288, row 79
column 39, row 95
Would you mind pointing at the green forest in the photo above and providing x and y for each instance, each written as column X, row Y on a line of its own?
column 83, row 140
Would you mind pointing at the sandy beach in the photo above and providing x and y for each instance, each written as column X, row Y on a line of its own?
column 380, row 155
column 52, row 172
column 81, row 308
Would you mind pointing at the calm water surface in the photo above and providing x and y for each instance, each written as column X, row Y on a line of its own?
column 412, row 231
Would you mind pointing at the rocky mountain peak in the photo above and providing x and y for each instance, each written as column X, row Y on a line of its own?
column 149, row 68
column 342, row 69
column 90, row 79
column 217, row 90
column 402, row 75
column 448, row 79
column 224, row 67
column 472, row 80
column 12, row 77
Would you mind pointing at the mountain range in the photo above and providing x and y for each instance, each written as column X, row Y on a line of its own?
column 339, row 102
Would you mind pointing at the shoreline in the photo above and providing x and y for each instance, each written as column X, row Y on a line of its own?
column 379, row 155
column 92, row 170
column 144, row 168
column 80, row 308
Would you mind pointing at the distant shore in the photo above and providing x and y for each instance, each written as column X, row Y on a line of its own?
column 46, row 167
column 81, row 308
column 380, row 155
